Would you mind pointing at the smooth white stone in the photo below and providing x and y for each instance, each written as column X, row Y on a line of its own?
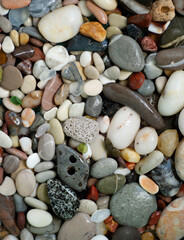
column 100, row 215
column 46, row 47
column 98, row 62
column 7, row 45
column 39, row 218
column 105, row 80
column 25, row 234
column 88, row 154
column 63, row 111
column 5, row 140
column 76, row 109
column 10, row 237
column 83, row 8
column 40, row 167
column 124, row 75
column 17, row 93
column 57, row 57
column 72, row 58
column 85, row 58
column 45, row 175
column 29, row 84
column 122, row 171
column 146, row 140
column 3, row 11
column 62, row 24
column 33, row 194
column 4, row 93
column 98, row 148
column 160, row 83
column 35, row 203
column 28, row 22
column 26, row 145
column 7, row 188
column 172, row 98
column 41, row 84
column 106, row 4
column 99, row 237
column 104, row 123
column 87, row 206
column 33, row 160
column 12, row 107
column 123, row 127
column 93, row 87
column 50, row 114
column 181, row 122
column 38, row 68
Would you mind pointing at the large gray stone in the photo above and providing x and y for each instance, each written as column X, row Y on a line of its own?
column 132, row 205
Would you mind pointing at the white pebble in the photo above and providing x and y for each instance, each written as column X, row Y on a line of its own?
column 10, row 237
column 105, row 80
column 88, row 154
column 83, row 8
column 50, row 114
column 17, row 93
column 25, row 234
column 33, row 160
column 39, row 218
column 38, row 68
column 93, row 87
column 98, row 62
column 87, row 206
column 5, row 140
column 98, row 148
column 29, row 84
column 46, row 47
column 85, row 58
column 26, row 145
column 72, row 58
column 99, row 237
column 3, row 11
column 4, row 93
column 124, row 75
column 181, row 122
column 35, row 203
column 122, row 171
column 100, row 215
column 63, row 111
column 103, row 123
column 160, row 83
column 76, row 109
column 7, row 45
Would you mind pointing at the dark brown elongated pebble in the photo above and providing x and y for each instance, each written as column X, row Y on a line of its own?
column 134, row 100
column 24, row 52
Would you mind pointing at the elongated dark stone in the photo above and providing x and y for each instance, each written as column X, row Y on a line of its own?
column 134, row 100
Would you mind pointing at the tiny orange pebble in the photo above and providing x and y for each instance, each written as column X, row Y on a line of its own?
column 130, row 166
column 28, row 117
column 95, row 30
column 108, row 220
column 148, row 184
column 147, row 236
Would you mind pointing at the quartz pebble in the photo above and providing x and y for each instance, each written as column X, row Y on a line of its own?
column 5, row 140
column 32, row 160
column 100, row 215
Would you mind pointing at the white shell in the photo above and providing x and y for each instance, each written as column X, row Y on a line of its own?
column 5, row 140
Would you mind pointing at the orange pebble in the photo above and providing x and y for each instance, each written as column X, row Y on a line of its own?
column 110, row 224
column 94, row 30
column 130, row 166
column 147, row 236
column 28, row 117
column 181, row 191
column 148, row 184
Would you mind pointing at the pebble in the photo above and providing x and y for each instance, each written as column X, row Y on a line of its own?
column 50, row 114
column 32, row 160
column 39, row 218
column 10, row 164
column 138, row 7
column 7, row 45
column 33, row 99
column 10, row 237
column 163, row 11
column 51, row 28
column 65, row 203
column 10, row 72
column 46, row 237
column 100, row 215
column 4, row 93
column 25, row 182
column 98, row 12
column 29, row 84
column 56, row 131
column 86, row 58
column 103, row 168
column 28, row 117
column 26, row 145
column 148, row 184
column 99, row 237
column 103, row 202
column 98, row 62
column 87, row 206
column 46, row 147
column 76, row 109
column 20, row 205
column 63, row 110
column 128, row 204
column 43, row 166
column 17, row 93
column 112, row 72
column 99, row 143
column 93, row 106
column 84, row 9
column 7, row 187
column 86, row 232
column 151, row 69
column 122, row 171
column 123, row 127
column 25, row 234
column 160, row 83
column 35, row 203
column 107, row 5
column 74, row 71
column 168, row 226
column 130, row 155
column 93, row 30
column 103, row 123
column 126, row 233
column 169, row 104
column 117, row 20
column 112, row 30
column 11, row 106
column 180, row 122
column 179, row 6
column 5, row 140
column 140, row 20
column 5, row 25
column 147, row 88
column 179, row 159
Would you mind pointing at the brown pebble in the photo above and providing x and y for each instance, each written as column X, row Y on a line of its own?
column 147, row 236
column 24, row 52
column 92, row 181
column 13, row 4
column 163, row 10
column 61, row 94
column 161, row 204
column 99, row 13
column 32, row 99
column 1, row 174
column 25, row 67
column 21, row 220
column 36, row 42
column 164, row 198
column 38, row 55
column 16, row 152
column 10, row 164
column 24, row 38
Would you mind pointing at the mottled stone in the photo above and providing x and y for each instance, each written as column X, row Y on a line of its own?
column 64, row 201
column 93, row 106
column 73, row 71
column 163, row 10
column 13, row 122
column 132, row 205
column 164, row 176
column 37, row 122
column 71, row 168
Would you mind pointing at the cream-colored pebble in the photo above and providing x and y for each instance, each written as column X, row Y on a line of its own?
column 29, row 84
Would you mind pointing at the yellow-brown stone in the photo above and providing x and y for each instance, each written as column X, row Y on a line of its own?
column 94, row 30
column 24, row 38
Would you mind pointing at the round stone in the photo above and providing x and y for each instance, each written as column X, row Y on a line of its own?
column 10, row 163
column 39, row 218
column 132, row 205
column 136, row 80
column 46, row 147
column 7, row 45
column 9, row 73
column 93, row 87
column 147, row 88
column 87, row 206
column 126, row 233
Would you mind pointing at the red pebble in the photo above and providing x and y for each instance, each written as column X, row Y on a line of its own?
column 110, row 224
column 130, row 166
column 164, row 198
column 21, row 220
column 38, row 55
column 154, row 218
column 161, row 204
column 181, row 191
column 140, row 20
column 1, row 174
column 108, row 220
column 136, row 80
column 92, row 193
column 148, row 44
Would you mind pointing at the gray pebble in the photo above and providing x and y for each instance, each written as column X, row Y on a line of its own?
column 147, row 88
column 151, row 70
column 5, row 24
column 20, row 205
column 93, row 106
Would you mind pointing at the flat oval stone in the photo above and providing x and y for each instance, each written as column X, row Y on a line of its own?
column 35, row 203
column 85, row 233
column 132, row 205
column 111, row 184
column 62, row 24
column 10, row 163
column 39, row 218
column 179, row 161
column 45, row 175
column 71, row 168
column 103, row 168
column 5, row 140
column 64, row 201
column 126, row 233
column 40, row 167
column 9, row 73
column 56, row 131
column 126, row 53
column 169, row 224
column 107, row 5
column 24, row 52
column 171, row 59
column 172, row 98
column 46, row 147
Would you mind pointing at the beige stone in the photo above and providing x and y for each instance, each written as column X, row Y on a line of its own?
column 163, row 11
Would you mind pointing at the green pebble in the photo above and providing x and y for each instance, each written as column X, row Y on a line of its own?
column 15, row 100
column 82, row 148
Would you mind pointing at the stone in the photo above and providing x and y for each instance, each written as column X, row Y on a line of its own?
column 13, row 122
column 169, row 224
column 38, row 55
column 103, row 202
column 103, row 123
column 163, row 11
column 50, row 114
column 7, row 45
column 57, row 57
column 151, row 69
column 46, row 147
column 117, row 20
column 23, row 38
column 85, row 233
column 98, row 143
column 28, row 117
column 74, row 127
column 136, row 80
column 147, row 88
column 87, row 206
column 63, row 110
column 51, row 28
column 40, row 167
column 91, row 72
column 26, row 234
column 126, row 233
column 168, row 142
column 99, row 237
column 98, row 62
column 37, row 122
column 5, row 140
column 7, row 214
column 24, row 52
column 94, row 30
column 64, row 201
column 160, row 83
column 42, row 193
column 93, row 106
column 103, row 168
column 148, row 44
column 164, row 176
column 130, row 155
column 10, row 72
column 131, row 61
column 100, row 215
column 179, row 6
column 39, row 218
column 14, row 4
column 107, row 5
column 56, row 131
column 5, row 25
column 20, row 205
column 124, row 125
column 73, row 71
column 112, row 72
column 148, row 184
column 77, row 109
column 92, row 87
column 92, row 8
column 170, row 59
column 32, row 160
column 11, row 106
column 29, row 84
column 10, row 163
column 132, row 205
column 61, row 94
column 7, row 188
column 140, row 20
column 137, row 6
column 46, row 237
column 70, row 164
column 179, row 159
column 111, row 184
column 112, row 30
column 169, row 104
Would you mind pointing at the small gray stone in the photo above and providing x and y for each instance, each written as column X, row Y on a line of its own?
column 25, row 234
column 126, row 53
column 72, row 72
column 37, row 122
column 126, row 233
column 5, row 24
column 64, row 201
column 103, row 168
column 93, row 106
column 46, row 237
column 81, row 129
column 112, row 72
column 72, row 169
column 151, row 70
column 46, row 147
column 132, row 205
column 147, row 88
column 75, row 99
column 20, row 205
column 33, row 32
